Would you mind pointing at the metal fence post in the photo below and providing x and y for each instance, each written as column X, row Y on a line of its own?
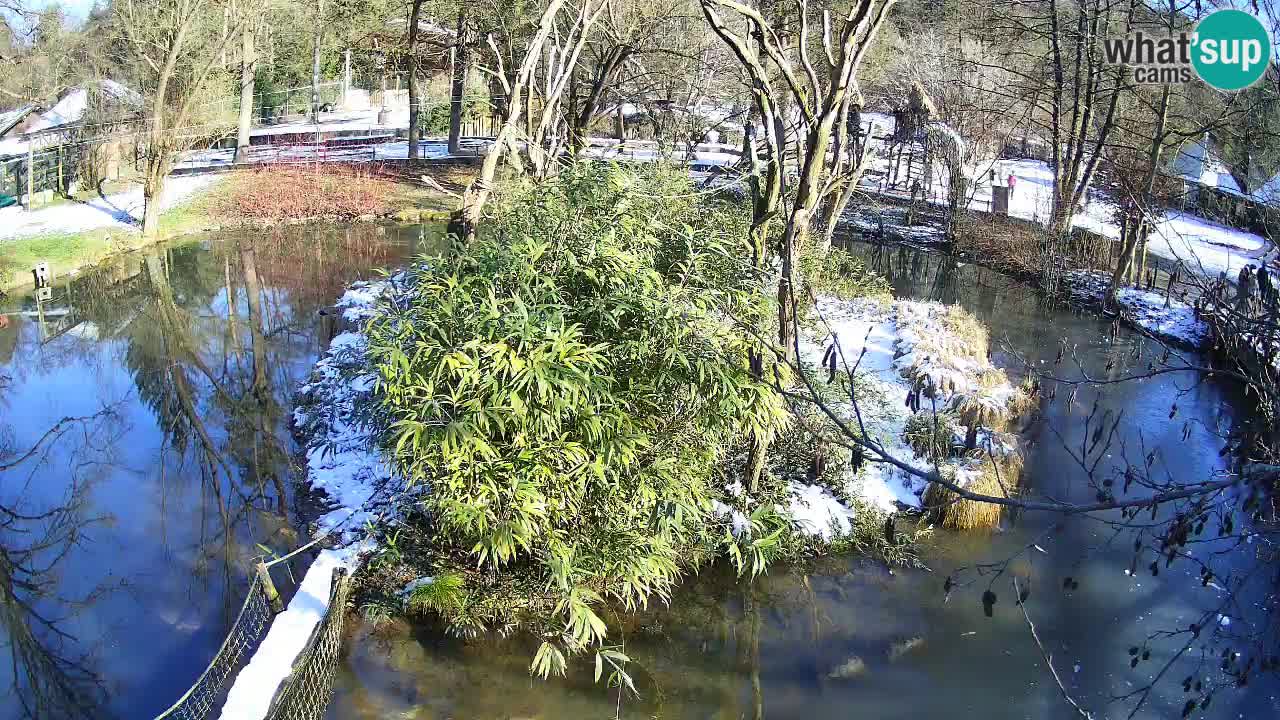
column 31, row 171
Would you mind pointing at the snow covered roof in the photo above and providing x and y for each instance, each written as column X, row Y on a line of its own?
column 71, row 107
column 20, row 128
column 1197, row 163
column 9, row 118
column 1268, row 192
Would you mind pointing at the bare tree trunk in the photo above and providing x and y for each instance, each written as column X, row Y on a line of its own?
column 1073, row 173
column 415, row 15
column 1137, row 240
column 163, row 138
column 861, row 26
column 544, row 143
column 580, row 118
column 836, row 198
column 152, row 189
column 155, row 168
column 458, row 88
column 315, row 63
column 466, row 219
column 248, row 66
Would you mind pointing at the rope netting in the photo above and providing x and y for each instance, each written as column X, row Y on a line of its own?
column 305, row 694
column 206, row 694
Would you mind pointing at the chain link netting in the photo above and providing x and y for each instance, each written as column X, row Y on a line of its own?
column 306, row 692
column 206, row 694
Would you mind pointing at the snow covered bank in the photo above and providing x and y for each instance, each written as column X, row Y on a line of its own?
column 891, row 221
column 1202, row 245
column 333, row 414
column 1168, row 319
column 909, row 352
column 344, row 461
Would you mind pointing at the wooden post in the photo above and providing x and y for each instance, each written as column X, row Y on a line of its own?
column 268, row 587
column 60, row 185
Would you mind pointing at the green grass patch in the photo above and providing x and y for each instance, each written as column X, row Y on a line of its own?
column 71, row 252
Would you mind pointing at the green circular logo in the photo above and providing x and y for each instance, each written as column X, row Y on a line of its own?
column 1231, row 49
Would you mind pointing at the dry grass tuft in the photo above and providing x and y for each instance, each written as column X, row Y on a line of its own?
column 997, row 478
column 1017, row 246
column 932, row 435
column 972, row 334
column 1025, row 401
column 980, row 409
column 944, row 360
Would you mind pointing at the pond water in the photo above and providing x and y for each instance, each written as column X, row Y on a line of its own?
column 126, row 536
column 846, row 638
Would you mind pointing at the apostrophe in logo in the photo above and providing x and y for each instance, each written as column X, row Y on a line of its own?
column 1231, row 49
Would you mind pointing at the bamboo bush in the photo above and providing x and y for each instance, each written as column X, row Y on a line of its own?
column 568, row 385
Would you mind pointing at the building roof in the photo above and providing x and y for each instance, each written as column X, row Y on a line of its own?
column 1197, row 163
column 1268, row 192
column 17, row 127
column 72, row 104
column 9, row 118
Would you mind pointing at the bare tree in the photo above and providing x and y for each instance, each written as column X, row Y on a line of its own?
column 461, row 68
column 537, row 142
column 248, row 74
column 415, row 71
column 173, row 51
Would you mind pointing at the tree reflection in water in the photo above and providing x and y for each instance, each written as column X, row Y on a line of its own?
column 51, row 673
column 200, row 346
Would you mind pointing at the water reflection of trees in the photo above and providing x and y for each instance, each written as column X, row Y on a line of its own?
column 213, row 346
column 717, row 651
column 215, row 338
column 51, row 674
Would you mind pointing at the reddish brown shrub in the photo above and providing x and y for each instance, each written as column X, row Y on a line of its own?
column 1016, row 246
column 287, row 192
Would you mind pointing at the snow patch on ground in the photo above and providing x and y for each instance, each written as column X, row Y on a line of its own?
column 343, row 460
column 412, row 586
column 873, row 325
column 1204, row 246
column 1171, row 320
column 121, row 211
column 343, row 457
column 817, row 512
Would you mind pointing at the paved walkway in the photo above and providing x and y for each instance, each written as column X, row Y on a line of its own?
column 122, row 210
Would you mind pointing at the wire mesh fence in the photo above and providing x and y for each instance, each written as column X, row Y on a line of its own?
column 48, row 170
column 306, row 692
column 207, row 692
column 273, row 105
